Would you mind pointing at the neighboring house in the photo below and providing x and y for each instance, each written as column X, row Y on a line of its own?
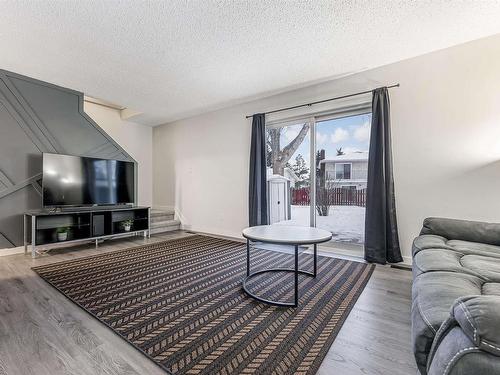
column 289, row 174
column 347, row 171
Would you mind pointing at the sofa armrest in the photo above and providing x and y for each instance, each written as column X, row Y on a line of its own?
column 479, row 318
column 457, row 355
column 465, row 230
column 469, row 340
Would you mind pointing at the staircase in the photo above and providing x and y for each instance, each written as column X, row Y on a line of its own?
column 163, row 221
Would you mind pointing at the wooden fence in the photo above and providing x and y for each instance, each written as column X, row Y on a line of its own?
column 330, row 197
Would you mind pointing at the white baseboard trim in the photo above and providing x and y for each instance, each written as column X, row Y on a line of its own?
column 213, row 232
column 232, row 238
column 12, row 251
column 407, row 260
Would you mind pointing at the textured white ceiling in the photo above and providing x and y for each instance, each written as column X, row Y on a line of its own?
column 173, row 59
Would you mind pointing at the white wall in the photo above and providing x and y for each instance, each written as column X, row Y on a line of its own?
column 446, row 144
column 136, row 140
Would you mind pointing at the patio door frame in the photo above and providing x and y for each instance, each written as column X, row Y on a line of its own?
column 311, row 119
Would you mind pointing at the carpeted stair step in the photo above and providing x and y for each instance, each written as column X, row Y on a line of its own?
column 165, row 226
column 161, row 215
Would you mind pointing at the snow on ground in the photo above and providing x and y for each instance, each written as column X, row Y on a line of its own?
column 347, row 223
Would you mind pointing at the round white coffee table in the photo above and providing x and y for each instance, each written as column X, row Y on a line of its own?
column 284, row 235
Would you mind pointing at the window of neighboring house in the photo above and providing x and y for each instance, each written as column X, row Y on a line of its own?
column 343, row 171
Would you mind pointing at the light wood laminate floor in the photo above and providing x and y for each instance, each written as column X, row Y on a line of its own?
column 43, row 333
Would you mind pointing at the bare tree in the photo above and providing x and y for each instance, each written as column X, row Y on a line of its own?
column 277, row 157
column 322, row 206
column 325, row 186
column 322, row 201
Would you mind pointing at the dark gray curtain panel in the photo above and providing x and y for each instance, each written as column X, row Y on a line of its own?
column 381, row 229
column 257, row 204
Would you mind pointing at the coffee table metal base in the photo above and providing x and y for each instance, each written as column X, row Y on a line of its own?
column 296, row 271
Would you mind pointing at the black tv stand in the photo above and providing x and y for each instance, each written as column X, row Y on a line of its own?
column 83, row 224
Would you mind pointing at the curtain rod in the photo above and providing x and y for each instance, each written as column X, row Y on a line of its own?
column 325, row 100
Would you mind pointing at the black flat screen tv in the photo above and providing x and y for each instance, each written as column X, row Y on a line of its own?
column 81, row 181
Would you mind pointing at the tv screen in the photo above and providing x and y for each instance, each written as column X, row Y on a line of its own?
column 79, row 181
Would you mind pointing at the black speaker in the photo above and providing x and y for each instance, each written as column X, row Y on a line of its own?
column 98, row 225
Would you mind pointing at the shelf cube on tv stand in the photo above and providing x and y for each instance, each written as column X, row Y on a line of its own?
column 87, row 224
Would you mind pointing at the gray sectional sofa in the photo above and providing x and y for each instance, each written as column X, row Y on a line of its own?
column 456, row 298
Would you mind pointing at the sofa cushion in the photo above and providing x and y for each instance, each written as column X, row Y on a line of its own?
column 431, row 241
column 491, row 289
column 474, row 248
column 487, row 268
column 439, row 260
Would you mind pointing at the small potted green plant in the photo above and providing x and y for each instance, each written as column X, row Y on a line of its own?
column 127, row 225
column 62, row 233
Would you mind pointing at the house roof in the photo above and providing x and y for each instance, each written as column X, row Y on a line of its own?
column 353, row 156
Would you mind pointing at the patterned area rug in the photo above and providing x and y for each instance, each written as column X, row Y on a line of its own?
column 181, row 303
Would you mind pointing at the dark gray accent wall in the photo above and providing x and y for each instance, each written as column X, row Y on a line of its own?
column 38, row 117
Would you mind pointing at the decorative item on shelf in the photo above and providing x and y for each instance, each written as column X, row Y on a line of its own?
column 127, row 224
column 62, row 233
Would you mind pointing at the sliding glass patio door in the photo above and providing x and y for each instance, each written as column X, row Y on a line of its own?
column 317, row 174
